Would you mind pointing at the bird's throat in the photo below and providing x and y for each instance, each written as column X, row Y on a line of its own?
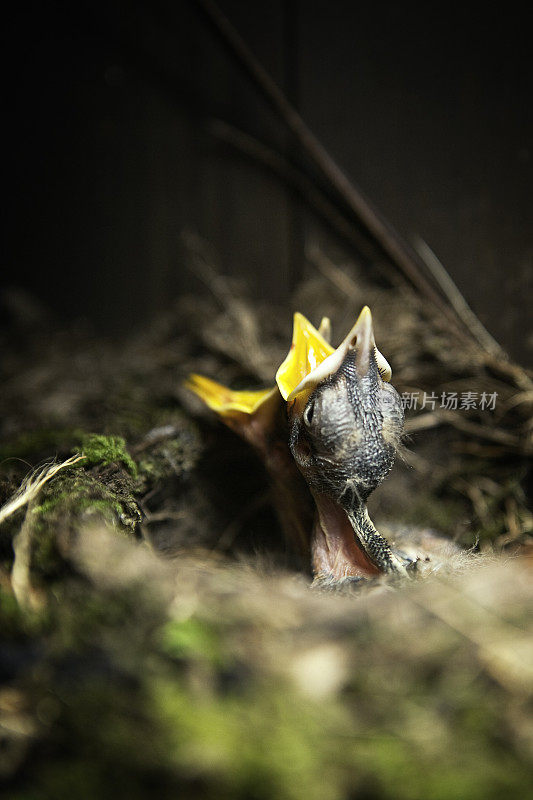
column 346, row 544
column 336, row 548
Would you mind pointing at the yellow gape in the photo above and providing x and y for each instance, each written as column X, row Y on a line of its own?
column 226, row 401
column 309, row 348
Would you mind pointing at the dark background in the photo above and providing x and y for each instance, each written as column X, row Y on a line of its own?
column 109, row 156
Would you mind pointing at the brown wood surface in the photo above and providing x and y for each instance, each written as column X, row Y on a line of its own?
column 111, row 156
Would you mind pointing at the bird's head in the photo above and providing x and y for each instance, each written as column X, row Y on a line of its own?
column 345, row 418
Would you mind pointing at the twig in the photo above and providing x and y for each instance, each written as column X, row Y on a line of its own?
column 246, row 332
column 333, row 273
column 458, row 302
column 435, row 418
column 20, row 572
column 308, row 191
column 31, row 487
column 422, row 422
column 483, row 432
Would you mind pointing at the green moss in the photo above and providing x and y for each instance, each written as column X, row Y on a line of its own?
column 68, row 500
column 105, row 450
column 17, row 622
column 268, row 743
column 191, row 638
column 77, row 492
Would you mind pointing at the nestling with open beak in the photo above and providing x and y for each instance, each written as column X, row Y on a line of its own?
column 336, row 421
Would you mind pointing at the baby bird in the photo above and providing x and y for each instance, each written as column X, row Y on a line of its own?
column 335, row 421
column 345, row 422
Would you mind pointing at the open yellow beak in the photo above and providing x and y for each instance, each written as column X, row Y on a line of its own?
column 312, row 359
column 309, row 349
column 227, row 401
column 250, row 413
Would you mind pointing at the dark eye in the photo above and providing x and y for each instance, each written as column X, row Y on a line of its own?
column 308, row 413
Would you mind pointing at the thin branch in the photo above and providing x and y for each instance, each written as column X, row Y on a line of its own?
column 20, row 571
column 22, row 542
column 31, row 487
column 334, row 274
column 457, row 301
column 249, row 349
column 435, row 418
column 296, row 179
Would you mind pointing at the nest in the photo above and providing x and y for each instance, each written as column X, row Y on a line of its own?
column 145, row 581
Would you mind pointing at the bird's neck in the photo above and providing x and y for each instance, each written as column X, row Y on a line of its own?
column 336, row 552
column 346, row 544
column 374, row 544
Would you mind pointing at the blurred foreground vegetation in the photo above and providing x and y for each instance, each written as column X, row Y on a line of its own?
column 202, row 678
